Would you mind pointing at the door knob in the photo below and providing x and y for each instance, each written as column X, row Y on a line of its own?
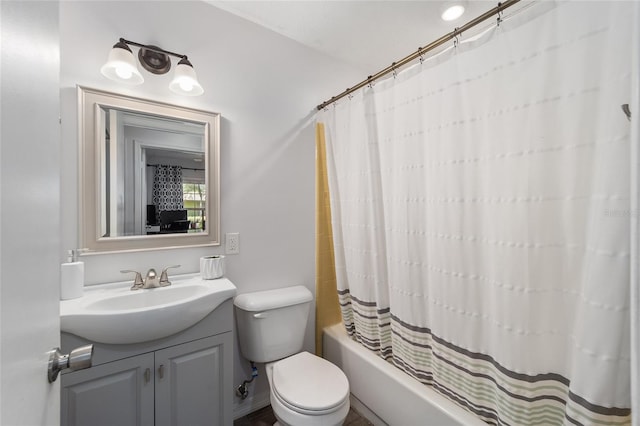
column 78, row 359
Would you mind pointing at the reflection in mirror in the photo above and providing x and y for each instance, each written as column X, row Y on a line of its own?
column 155, row 168
column 154, row 180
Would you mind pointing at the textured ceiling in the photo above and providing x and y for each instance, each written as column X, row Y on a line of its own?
column 369, row 35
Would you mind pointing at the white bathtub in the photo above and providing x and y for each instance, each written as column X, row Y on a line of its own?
column 386, row 395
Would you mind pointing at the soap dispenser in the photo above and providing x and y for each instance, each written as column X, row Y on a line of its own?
column 71, row 277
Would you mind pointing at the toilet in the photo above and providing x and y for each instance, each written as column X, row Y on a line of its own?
column 306, row 390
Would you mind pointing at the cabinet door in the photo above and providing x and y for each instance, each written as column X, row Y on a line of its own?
column 193, row 383
column 117, row 393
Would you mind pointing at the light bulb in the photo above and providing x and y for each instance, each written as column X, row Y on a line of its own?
column 186, row 85
column 124, row 72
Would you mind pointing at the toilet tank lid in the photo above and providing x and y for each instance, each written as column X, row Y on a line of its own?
column 273, row 299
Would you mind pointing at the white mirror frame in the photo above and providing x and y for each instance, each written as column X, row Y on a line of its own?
column 90, row 159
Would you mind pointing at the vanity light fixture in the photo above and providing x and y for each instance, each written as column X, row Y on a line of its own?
column 452, row 10
column 121, row 66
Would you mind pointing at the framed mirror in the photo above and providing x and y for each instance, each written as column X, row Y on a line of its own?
column 149, row 174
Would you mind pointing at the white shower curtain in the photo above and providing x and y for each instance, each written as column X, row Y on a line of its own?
column 480, row 207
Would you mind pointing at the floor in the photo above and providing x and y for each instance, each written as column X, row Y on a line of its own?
column 265, row 417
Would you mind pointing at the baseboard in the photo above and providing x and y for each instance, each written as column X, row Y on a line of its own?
column 242, row 407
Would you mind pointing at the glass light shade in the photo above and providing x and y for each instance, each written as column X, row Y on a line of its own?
column 452, row 12
column 121, row 66
column 185, row 81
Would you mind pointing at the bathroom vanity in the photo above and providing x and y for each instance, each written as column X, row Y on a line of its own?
column 181, row 379
column 160, row 355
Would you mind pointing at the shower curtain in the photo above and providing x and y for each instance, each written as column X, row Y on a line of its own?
column 167, row 189
column 480, row 214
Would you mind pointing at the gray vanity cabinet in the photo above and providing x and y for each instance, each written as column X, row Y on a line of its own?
column 185, row 379
column 117, row 393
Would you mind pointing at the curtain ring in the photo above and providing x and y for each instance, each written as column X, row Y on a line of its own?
column 395, row 71
column 421, row 57
column 500, row 13
column 456, row 39
column 350, row 95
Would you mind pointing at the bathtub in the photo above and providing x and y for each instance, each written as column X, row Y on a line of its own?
column 386, row 395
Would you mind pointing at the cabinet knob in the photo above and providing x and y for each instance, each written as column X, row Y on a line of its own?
column 161, row 371
column 147, row 375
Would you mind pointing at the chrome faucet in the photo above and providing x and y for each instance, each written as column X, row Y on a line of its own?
column 151, row 280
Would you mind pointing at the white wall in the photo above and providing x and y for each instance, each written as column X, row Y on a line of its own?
column 264, row 85
column 30, row 213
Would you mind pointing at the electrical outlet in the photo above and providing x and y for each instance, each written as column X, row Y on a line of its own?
column 232, row 245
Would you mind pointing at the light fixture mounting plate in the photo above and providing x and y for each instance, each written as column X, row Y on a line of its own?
column 153, row 60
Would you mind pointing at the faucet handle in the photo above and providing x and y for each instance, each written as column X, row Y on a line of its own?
column 137, row 281
column 164, row 276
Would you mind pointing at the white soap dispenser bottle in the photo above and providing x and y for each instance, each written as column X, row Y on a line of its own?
column 71, row 277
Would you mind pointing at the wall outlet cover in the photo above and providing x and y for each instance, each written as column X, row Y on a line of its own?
column 232, row 243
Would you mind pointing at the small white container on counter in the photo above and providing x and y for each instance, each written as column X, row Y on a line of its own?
column 71, row 277
column 211, row 267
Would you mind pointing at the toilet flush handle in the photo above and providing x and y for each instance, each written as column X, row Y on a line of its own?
column 260, row 315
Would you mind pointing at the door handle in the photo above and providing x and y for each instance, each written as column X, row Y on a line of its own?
column 161, row 371
column 147, row 375
column 78, row 359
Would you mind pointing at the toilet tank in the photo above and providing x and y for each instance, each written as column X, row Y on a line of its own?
column 272, row 323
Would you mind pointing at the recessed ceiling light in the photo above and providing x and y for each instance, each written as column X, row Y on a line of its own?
column 452, row 11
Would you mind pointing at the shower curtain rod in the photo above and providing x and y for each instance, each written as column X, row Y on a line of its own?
column 421, row 51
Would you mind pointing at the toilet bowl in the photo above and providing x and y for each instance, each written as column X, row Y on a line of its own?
column 307, row 390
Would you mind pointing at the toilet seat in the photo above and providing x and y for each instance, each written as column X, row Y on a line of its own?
column 309, row 384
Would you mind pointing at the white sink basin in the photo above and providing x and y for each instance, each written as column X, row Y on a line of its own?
column 112, row 313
